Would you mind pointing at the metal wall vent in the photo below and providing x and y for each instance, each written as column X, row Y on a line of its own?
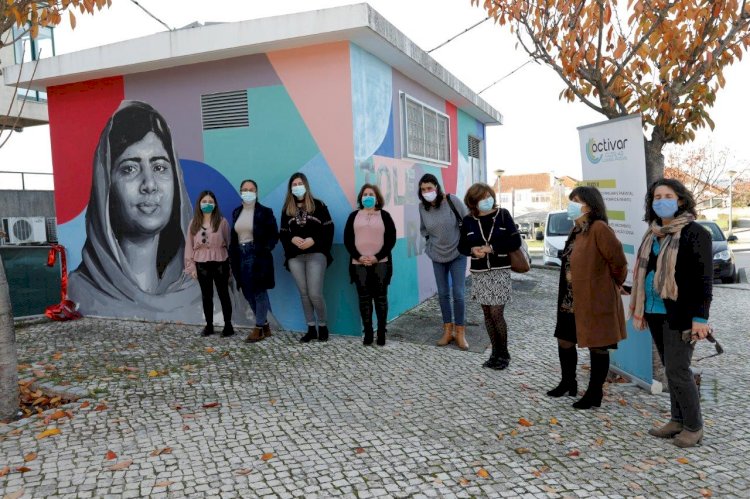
column 225, row 110
column 474, row 147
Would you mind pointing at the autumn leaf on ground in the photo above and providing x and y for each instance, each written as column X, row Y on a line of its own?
column 525, row 422
column 553, row 421
column 706, row 493
column 159, row 452
column 701, row 475
column 574, row 453
column 15, row 495
column 209, row 405
column 210, row 350
column 29, row 457
column 48, row 433
column 165, row 483
column 153, row 373
column 110, row 456
column 23, row 469
column 267, row 456
column 85, row 404
column 243, row 471
column 483, row 473
column 522, row 450
column 101, row 407
column 599, row 441
column 513, row 433
column 359, row 450
column 682, row 460
column 272, row 401
column 57, row 356
column 4, row 471
column 500, row 436
column 623, row 402
column 121, row 465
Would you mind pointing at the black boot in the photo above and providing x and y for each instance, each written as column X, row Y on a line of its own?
column 322, row 333
column 595, row 392
column 228, row 329
column 568, row 362
column 365, row 312
column 208, row 330
column 369, row 335
column 311, row 334
column 381, row 337
column 491, row 363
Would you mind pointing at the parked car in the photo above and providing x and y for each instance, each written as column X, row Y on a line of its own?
column 556, row 231
column 724, row 266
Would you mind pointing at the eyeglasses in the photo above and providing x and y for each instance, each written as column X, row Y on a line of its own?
column 203, row 234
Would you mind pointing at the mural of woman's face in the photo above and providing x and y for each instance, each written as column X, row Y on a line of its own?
column 142, row 188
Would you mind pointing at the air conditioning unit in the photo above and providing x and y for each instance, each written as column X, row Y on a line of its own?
column 25, row 230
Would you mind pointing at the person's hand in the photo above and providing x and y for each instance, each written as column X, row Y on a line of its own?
column 488, row 249
column 297, row 241
column 639, row 324
column 365, row 260
column 194, row 274
column 371, row 260
column 477, row 251
column 700, row 330
column 306, row 243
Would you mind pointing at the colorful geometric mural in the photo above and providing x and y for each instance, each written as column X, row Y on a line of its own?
column 331, row 111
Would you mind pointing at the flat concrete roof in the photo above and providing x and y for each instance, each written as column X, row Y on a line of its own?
column 358, row 23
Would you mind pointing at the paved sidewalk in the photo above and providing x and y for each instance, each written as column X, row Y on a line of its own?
column 189, row 416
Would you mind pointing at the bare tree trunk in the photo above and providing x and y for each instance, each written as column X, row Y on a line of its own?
column 9, row 395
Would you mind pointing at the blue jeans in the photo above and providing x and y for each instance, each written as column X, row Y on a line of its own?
column 309, row 271
column 257, row 298
column 451, row 276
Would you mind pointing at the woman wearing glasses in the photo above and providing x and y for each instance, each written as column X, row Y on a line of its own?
column 671, row 295
column 207, row 259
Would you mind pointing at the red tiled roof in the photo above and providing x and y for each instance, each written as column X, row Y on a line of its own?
column 537, row 182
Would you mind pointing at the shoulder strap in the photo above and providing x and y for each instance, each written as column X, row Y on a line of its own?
column 454, row 210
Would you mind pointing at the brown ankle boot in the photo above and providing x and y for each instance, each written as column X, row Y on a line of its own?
column 267, row 330
column 447, row 334
column 460, row 338
column 687, row 438
column 669, row 430
column 255, row 335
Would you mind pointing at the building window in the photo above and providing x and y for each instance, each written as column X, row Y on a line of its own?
column 27, row 49
column 426, row 132
column 540, row 198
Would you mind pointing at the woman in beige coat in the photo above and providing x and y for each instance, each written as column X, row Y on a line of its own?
column 589, row 310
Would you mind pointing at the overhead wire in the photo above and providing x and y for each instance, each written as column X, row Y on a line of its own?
column 151, row 15
column 504, row 77
column 456, row 36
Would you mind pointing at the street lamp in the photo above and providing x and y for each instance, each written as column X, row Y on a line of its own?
column 498, row 173
column 731, row 174
column 560, row 190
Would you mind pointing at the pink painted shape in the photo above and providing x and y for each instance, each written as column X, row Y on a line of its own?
column 450, row 175
column 318, row 79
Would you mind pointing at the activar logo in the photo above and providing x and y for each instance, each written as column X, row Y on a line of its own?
column 607, row 149
column 593, row 158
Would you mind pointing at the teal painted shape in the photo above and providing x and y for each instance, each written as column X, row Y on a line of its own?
column 403, row 293
column 633, row 354
column 466, row 126
column 276, row 144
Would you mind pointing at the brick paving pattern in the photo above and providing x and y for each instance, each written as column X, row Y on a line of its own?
column 218, row 417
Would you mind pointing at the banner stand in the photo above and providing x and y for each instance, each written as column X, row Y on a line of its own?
column 655, row 387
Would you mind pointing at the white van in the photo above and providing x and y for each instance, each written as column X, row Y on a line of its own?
column 556, row 232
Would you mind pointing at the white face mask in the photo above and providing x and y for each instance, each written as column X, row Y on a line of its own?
column 429, row 196
column 248, row 197
column 298, row 190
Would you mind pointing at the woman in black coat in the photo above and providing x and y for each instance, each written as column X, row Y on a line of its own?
column 253, row 237
column 370, row 236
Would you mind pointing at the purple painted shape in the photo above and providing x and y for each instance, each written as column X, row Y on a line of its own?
column 176, row 93
column 403, row 84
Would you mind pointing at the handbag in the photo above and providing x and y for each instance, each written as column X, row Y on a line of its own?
column 520, row 261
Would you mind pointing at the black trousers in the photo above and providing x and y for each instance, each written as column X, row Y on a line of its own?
column 210, row 273
column 372, row 286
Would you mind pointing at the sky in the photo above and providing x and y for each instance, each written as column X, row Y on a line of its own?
column 539, row 133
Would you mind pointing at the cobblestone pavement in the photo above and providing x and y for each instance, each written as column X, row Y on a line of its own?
column 182, row 415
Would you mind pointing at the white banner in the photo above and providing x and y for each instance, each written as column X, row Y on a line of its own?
column 613, row 160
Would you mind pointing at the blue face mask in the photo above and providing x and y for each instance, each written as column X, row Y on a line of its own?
column 665, row 208
column 368, row 201
column 574, row 210
column 486, row 204
column 298, row 190
column 207, row 207
column 248, row 197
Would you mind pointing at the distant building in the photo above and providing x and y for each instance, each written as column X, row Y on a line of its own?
column 707, row 195
column 534, row 192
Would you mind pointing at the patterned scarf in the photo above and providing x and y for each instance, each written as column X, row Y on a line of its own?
column 664, row 281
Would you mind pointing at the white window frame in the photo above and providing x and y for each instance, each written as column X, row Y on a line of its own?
column 405, row 130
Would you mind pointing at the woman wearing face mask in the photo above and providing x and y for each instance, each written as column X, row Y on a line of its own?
column 589, row 306
column 307, row 235
column 488, row 234
column 672, row 292
column 207, row 259
column 439, row 216
column 369, row 236
column 254, row 235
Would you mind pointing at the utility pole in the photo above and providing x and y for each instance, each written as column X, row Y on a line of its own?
column 498, row 173
column 731, row 174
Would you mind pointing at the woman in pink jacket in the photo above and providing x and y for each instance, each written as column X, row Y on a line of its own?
column 207, row 259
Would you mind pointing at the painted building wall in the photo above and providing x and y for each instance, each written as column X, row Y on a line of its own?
column 331, row 111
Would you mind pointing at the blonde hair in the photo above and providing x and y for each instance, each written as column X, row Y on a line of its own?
column 290, row 203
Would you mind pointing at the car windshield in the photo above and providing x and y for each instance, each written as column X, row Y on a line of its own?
column 714, row 230
column 559, row 225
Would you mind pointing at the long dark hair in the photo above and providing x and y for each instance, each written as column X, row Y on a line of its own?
column 290, row 203
column 683, row 194
column 197, row 223
column 429, row 178
column 593, row 199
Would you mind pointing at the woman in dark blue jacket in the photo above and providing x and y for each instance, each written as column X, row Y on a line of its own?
column 254, row 235
column 488, row 234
